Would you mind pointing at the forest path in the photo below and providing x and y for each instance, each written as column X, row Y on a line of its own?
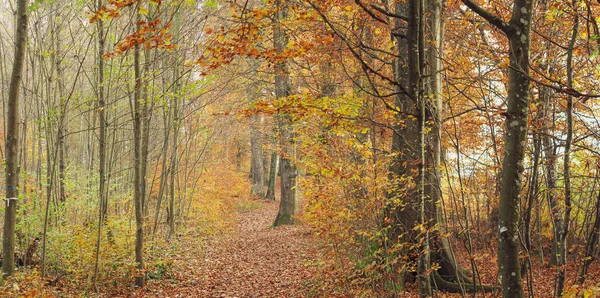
column 252, row 260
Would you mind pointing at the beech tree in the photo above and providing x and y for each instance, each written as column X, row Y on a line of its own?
column 517, row 31
column 287, row 169
column 426, row 132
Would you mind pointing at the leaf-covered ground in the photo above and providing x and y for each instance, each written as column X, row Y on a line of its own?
column 250, row 260
column 245, row 257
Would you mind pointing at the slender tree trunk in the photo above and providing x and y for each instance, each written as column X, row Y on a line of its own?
column 146, row 114
column 532, row 198
column 164, row 175
column 592, row 241
column 62, row 102
column 415, row 67
column 561, row 274
column 518, row 34
column 173, row 171
column 139, row 175
column 176, row 123
column 100, row 108
column 12, row 142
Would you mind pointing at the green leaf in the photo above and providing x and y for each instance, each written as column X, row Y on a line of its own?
column 211, row 3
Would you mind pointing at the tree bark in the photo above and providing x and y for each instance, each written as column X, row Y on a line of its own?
column 590, row 247
column 139, row 171
column 416, row 63
column 176, row 123
column 272, row 176
column 12, row 142
column 518, row 34
column 257, row 167
column 100, row 108
column 562, row 241
column 288, row 171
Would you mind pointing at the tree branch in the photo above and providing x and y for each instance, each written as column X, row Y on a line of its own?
column 388, row 13
column 491, row 18
column 368, row 11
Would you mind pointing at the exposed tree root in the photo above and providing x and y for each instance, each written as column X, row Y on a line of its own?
column 451, row 277
column 465, row 285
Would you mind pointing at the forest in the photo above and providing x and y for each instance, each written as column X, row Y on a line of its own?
column 300, row 148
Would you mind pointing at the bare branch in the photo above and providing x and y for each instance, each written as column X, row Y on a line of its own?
column 493, row 19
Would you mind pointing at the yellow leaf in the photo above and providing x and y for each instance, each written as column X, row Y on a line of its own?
column 571, row 292
column 143, row 11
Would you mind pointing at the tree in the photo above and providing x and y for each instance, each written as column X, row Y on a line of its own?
column 100, row 107
column 517, row 30
column 287, row 169
column 12, row 142
column 562, row 241
column 257, row 163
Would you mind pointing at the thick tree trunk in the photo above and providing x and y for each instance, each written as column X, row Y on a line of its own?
column 406, row 141
column 288, row 171
column 12, row 142
column 515, row 145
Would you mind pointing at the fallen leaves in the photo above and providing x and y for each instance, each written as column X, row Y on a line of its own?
column 253, row 260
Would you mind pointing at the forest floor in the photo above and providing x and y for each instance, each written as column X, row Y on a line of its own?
column 245, row 257
column 251, row 260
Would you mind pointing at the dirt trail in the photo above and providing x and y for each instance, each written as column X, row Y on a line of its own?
column 253, row 260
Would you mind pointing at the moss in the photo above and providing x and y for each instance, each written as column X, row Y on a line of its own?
column 283, row 219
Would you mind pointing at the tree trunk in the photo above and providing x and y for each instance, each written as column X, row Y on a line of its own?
column 139, row 174
column 420, row 201
column 100, row 108
column 272, row 176
column 258, row 183
column 288, row 204
column 416, row 41
column 561, row 274
column 61, row 127
column 257, row 167
column 590, row 247
column 12, row 142
column 518, row 33
column 164, row 172
column 176, row 123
